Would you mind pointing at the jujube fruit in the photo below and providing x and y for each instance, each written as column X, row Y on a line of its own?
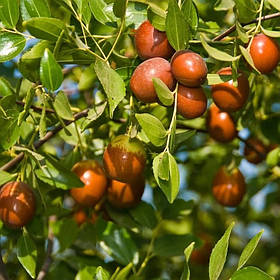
column 202, row 254
column 265, row 53
column 220, row 125
column 151, row 42
column 17, row 204
column 141, row 82
column 92, row 175
column 189, row 68
column 126, row 195
column 228, row 97
column 124, row 158
column 191, row 102
column 80, row 217
column 251, row 155
column 229, row 187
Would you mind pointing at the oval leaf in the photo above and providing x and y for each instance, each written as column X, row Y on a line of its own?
column 153, row 128
column 62, row 106
column 164, row 94
column 248, row 58
column 97, row 8
column 6, row 177
column 34, row 8
column 9, row 12
column 275, row 4
column 219, row 254
column 10, row 45
column 187, row 253
column 251, row 272
column 217, row 54
column 50, row 71
column 271, row 33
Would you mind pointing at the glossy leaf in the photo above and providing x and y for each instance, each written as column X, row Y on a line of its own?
column 119, row 8
column 271, row 33
column 246, row 10
column 190, row 14
column 10, row 45
column 153, row 128
column 45, row 28
column 123, row 274
column 275, row 4
column 50, row 71
column 217, row 54
column 112, row 83
column 6, row 177
column 98, row 10
column 213, row 79
column 187, row 253
column 5, row 87
column 177, row 29
column 27, row 254
column 9, row 12
column 101, row 274
column 219, row 254
column 251, row 272
column 34, row 8
column 86, row 273
column 249, row 249
column 157, row 16
column 164, row 94
column 273, row 157
column 246, row 54
column 62, row 106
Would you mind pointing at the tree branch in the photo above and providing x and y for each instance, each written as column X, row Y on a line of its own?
column 42, row 141
column 3, row 272
column 48, row 260
column 233, row 27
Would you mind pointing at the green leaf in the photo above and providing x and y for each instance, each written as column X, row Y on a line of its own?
column 50, row 71
column 135, row 14
column 249, row 249
column 187, row 253
column 112, row 83
column 9, row 12
column 273, row 157
column 63, row 226
column 119, row 245
column 34, row 8
column 153, row 128
column 215, row 53
column 28, row 102
column 164, row 94
column 5, row 87
column 171, row 245
column 45, row 28
column 271, row 33
column 251, row 272
column 171, row 186
column 275, row 4
column 182, row 136
column 242, row 35
column 119, row 8
column 62, row 106
column 98, row 10
column 213, row 79
column 10, row 45
column 161, row 164
column 122, row 275
column 224, row 5
column 34, row 155
column 144, row 214
column 177, row 29
column 218, row 255
column 246, row 54
column 56, row 175
column 87, row 79
column 246, row 10
column 27, row 254
column 6, row 177
column 156, row 16
column 179, row 209
column 102, row 274
column 86, row 273
column 190, row 14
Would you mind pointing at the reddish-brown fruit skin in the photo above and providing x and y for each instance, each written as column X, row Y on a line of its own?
column 124, row 159
column 220, row 125
column 92, row 175
column 251, row 155
column 150, row 42
column 80, row 217
column 228, row 97
column 265, row 53
column 126, row 195
column 189, row 68
column 229, row 189
column 141, row 82
column 191, row 102
column 201, row 255
column 17, row 204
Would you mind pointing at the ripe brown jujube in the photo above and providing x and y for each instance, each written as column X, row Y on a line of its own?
column 126, row 195
column 189, row 68
column 265, row 53
column 92, row 175
column 228, row 97
column 141, row 82
column 229, row 187
column 17, row 204
column 151, row 42
column 251, row 155
column 202, row 254
column 124, row 159
column 192, row 102
column 220, row 125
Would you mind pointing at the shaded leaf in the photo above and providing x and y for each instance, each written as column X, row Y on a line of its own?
column 250, row 272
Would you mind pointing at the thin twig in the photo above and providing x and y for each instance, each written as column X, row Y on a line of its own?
column 233, row 27
column 48, row 260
